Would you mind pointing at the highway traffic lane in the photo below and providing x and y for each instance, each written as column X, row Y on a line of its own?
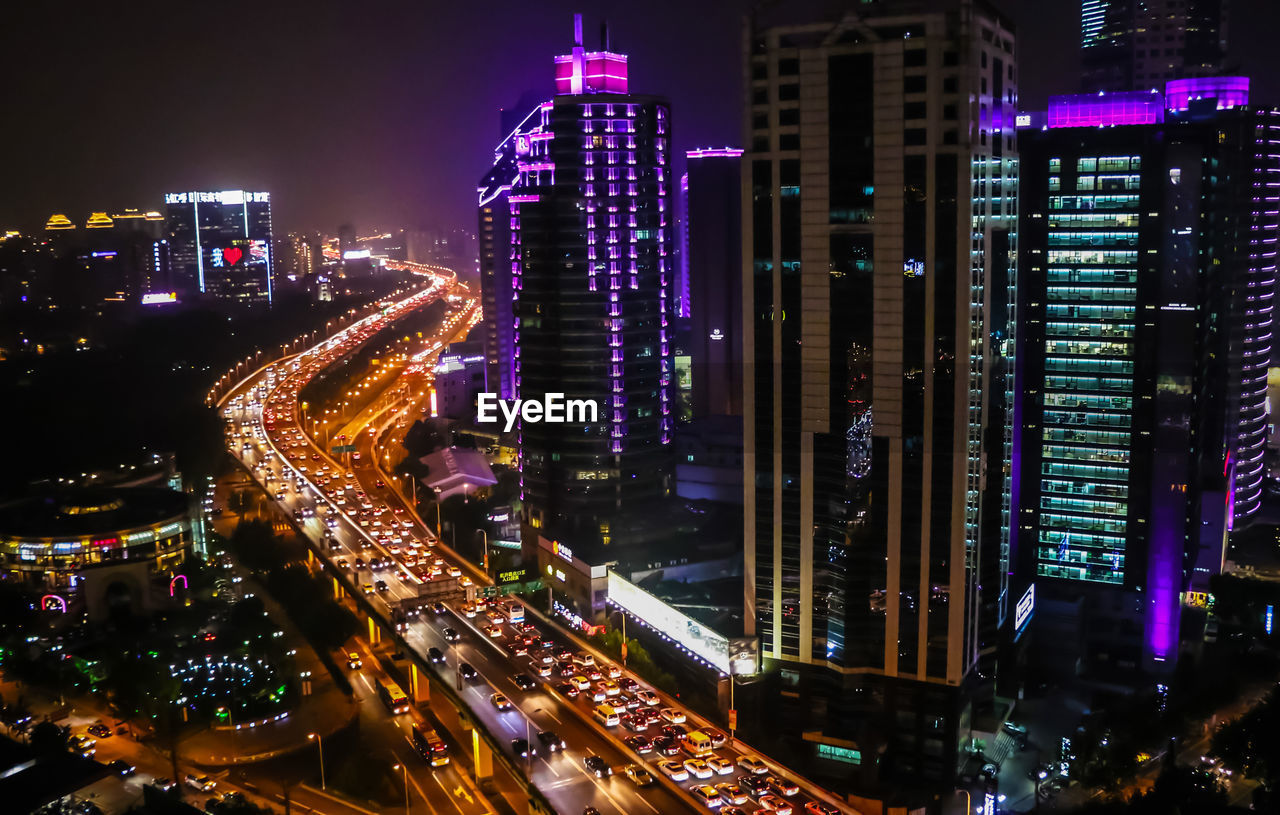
column 547, row 713
column 392, row 734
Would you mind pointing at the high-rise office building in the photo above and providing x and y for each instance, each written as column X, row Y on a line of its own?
column 879, row 249
column 220, row 244
column 589, row 214
column 1136, row 45
column 712, row 192
column 1147, row 282
column 494, row 238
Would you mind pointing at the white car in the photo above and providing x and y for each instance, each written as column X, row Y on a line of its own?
column 721, row 766
column 672, row 715
column 203, row 783
column 673, row 770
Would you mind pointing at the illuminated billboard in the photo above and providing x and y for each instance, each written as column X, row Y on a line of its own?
column 156, row 298
column 698, row 638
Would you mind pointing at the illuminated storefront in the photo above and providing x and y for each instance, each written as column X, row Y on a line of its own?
column 48, row 542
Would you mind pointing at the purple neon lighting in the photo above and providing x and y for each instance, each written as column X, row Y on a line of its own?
column 1230, row 91
column 1106, row 109
column 714, row 152
column 523, row 199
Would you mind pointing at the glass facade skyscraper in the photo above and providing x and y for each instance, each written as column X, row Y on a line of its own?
column 1137, row 45
column 1146, row 298
column 220, row 244
column 587, row 183
column 879, row 244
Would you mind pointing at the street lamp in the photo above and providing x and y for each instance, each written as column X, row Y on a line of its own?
column 404, row 770
column 320, row 745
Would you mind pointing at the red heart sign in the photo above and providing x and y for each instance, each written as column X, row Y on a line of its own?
column 232, row 256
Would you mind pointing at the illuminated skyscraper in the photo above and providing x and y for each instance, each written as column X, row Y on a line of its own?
column 220, row 244
column 879, row 249
column 1137, row 45
column 587, row 178
column 1147, row 288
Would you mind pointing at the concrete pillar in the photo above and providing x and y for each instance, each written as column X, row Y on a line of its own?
column 337, row 589
column 420, row 688
column 483, row 756
column 375, row 631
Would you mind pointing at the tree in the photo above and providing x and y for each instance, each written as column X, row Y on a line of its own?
column 49, row 739
column 1251, row 743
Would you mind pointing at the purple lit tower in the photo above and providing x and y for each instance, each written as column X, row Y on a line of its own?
column 1148, row 275
column 587, row 181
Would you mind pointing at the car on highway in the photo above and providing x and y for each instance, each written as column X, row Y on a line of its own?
column 451, row 635
column 731, row 810
column 165, row 784
column 543, row 671
column 633, row 722
column 648, row 697
column 494, row 632
column 698, row 768
column 640, row 744
column 551, row 741
column 816, row 808
column 772, row 803
column 569, row 690
column 610, row 687
column 597, row 766
column 732, row 793
column 467, row 672
column 721, row 766
column 367, row 588
column 718, row 739
column 638, row 775
column 99, row 729
column 781, row 786
column 382, row 585
column 524, row 682
column 628, row 684
column 673, row 770
column 707, row 795
column 666, row 746
column 438, row 608
column 672, row 715
column 580, row 682
column 435, row 656
column 612, row 671
column 354, row 662
column 752, row 764
column 522, row 749
column 754, row 784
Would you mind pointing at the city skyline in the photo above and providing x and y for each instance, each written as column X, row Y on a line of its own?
column 828, row 407
column 372, row 125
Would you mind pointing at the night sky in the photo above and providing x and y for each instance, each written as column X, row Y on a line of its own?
column 377, row 113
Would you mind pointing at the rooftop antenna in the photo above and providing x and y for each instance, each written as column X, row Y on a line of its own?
column 604, row 35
